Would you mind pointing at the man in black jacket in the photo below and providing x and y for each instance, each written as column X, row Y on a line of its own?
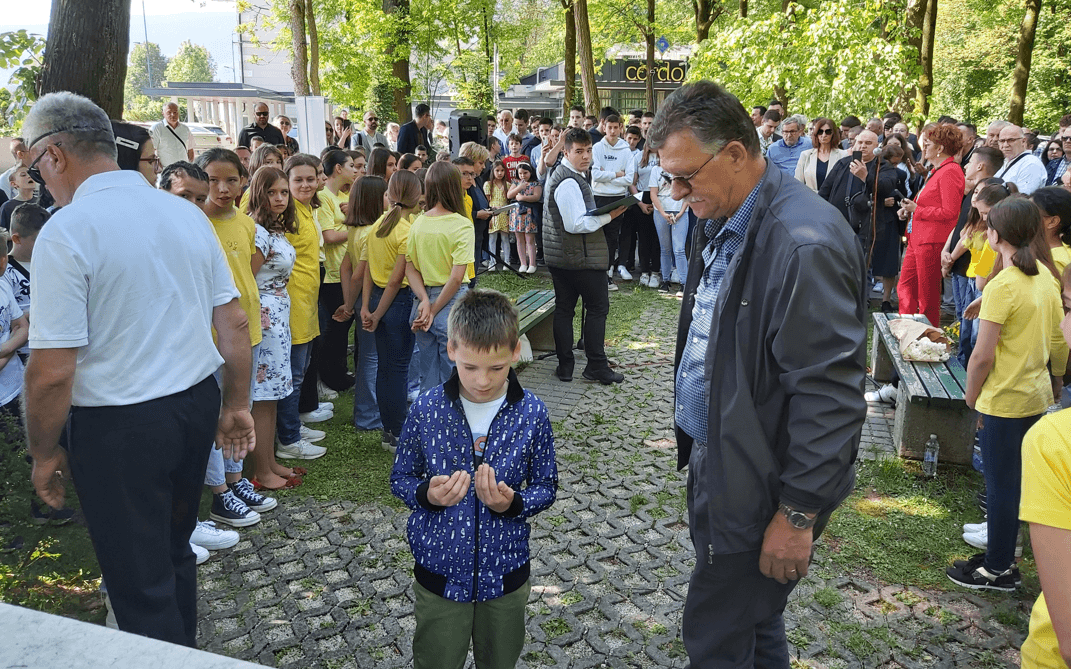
column 416, row 132
column 769, row 402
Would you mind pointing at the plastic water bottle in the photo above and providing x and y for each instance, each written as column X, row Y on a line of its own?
column 929, row 460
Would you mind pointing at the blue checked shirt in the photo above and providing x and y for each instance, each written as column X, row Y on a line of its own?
column 726, row 237
column 1060, row 169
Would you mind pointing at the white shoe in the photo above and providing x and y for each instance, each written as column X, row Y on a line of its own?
column 975, row 528
column 208, row 536
column 200, row 552
column 318, row 416
column 312, row 436
column 610, row 285
column 523, row 269
column 325, row 392
column 980, row 539
column 645, row 279
column 673, row 277
column 886, row 394
column 300, row 450
column 327, row 406
column 610, row 272
column 625, row 274
column 655, row 281
column 531, row 269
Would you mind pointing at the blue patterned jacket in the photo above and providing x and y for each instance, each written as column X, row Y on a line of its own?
column 467, row 552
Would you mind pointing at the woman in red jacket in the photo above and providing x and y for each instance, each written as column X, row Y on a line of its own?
column 935, row 210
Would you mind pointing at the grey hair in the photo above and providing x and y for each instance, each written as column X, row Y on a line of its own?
column 484, row 320
column 713, row 115
column 999, row 124
column 86, row 126
column 799, row 119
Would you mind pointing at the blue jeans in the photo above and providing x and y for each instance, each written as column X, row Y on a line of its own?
column 1002, row 442
column 288, row 422
column 365, row 364
column 394, row 346
column 672, row 239
column 218, row 466
column 965, row 291
column 432, row 359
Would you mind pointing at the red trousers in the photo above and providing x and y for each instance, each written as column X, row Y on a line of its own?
column 920, row 282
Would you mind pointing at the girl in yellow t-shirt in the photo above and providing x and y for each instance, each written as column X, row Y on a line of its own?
column 386, row 301
column 365, row 207
column 339, row 172
column 1055, row 205
column 1046, row 505
column 1008, row 379
column 441, row 250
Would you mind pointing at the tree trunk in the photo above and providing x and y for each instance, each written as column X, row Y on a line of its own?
column 1021, row 75
column 929, row 28
column 570, row 59
column 299, row 63
column 86, row 51
column 398, row 54
column 314, row 48
column 649, row 37
column 587, row 62
column 704, row 18
column 743, row 9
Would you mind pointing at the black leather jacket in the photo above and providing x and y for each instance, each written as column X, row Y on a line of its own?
column 784, row 367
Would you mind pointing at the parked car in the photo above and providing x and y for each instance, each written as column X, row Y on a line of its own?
column 224, row 140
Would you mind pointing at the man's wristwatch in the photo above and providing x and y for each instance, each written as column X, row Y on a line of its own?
column 797, row 519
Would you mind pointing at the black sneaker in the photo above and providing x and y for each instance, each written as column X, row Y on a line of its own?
column 243, row 490
column 228, row 509
column 563, row 374
column 979, row 578
column 45, row 514
column 976, row 561
column 665, row 287
column 603, row 376
column 610, row 285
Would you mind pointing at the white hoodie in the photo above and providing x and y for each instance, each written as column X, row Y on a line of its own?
column 607, row 161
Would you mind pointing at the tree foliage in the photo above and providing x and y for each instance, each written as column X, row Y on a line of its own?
column 23, row 53
column 193, row 62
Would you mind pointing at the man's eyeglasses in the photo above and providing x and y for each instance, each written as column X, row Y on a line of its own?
column 825, row 131
column 1009, row 141
column 685, row 182
column 372, row 119
column 33, row 171
column 1066, row 138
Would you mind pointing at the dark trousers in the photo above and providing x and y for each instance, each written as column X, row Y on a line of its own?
column 733, row 616
column 649, row 249
column 334, row 338
column 589, row 285
column 309, row 399
column 394, row 346
column 139, row 471
column 1001, row 441
column 626, row 245
column 612, row 230
column 480, row 230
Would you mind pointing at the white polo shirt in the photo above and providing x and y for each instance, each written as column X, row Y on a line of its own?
column 129, row 275
column 169, row 147
column 1026, row 171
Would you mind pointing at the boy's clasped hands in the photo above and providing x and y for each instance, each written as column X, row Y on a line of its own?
column 446, row 490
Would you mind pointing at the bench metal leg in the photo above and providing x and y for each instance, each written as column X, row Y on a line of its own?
column 541, row 335
column 881, row 364
column 915, row 423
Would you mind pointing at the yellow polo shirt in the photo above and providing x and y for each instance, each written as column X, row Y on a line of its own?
column 304, row 285
column 382, row 252
column 236, row 237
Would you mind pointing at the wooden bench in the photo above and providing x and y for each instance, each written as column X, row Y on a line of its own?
column 930, row 398
column 536, row 308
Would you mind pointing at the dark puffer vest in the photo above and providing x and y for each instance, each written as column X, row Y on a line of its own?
column 565, row 250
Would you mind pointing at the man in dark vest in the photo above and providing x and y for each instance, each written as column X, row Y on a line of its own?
column 574, row 248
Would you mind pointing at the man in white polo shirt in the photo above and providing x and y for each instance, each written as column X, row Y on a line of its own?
column 122, row 355
column 171, row 137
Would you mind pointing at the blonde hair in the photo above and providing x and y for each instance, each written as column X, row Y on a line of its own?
column 476, row 152
column 403, row 192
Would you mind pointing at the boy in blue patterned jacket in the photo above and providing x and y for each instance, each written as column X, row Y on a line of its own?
column 467, row 448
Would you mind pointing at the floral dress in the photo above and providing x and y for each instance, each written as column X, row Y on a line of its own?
column 273, row 379
column 521, row 219
column 496, row 197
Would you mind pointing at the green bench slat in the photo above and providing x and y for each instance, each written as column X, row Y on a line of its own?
column 908, row 376
column 931, row 382
column 533, row 307
column 948, row 379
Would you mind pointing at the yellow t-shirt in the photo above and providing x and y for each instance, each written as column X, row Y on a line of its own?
column 356, row 238
column 1029, row 311
column 438, row 243
column 467, row 199
column 332, row 219
column 982, row 255
column 236, row 237
column 1061, row 257
column 304, row 285
column 1046, row 499
column 382, row 252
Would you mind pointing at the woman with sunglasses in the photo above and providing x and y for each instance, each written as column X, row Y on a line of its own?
column 135, row 150
column 814, row 163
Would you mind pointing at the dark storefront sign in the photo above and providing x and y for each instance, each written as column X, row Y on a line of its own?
column 667, row 73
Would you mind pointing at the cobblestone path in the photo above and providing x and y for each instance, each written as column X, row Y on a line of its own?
column 329, row 584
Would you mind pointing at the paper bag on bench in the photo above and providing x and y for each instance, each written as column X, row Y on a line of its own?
column 920, row 342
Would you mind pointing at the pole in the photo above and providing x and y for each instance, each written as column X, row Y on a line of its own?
column 145, row 25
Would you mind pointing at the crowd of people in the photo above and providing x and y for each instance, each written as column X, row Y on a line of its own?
column 277, row 255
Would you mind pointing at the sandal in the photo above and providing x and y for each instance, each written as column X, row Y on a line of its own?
column 300, row 471
column 291, row 482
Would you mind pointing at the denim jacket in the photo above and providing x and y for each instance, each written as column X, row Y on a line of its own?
column 467, row 552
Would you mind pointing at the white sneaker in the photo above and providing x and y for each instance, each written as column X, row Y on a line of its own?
column 318, row 416
column 980, row 539
column 673, row 276
column 327, row 406
column 625, row 275
column 975, row 528
column 655, row 281
column 207, row 535
column 523, row 269
column 610, row 272
column 200, row 552
column 645, row 279
column 531, row 269
column 300, row 450
column 325, row 392
column 886, row 394
column 312, row 436
column 610, row 285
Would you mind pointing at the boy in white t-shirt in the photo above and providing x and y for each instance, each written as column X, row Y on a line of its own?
column 26, row 221
column 14, row 331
